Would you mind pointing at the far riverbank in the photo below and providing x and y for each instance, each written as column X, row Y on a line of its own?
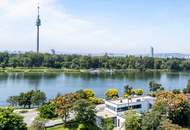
column 54, row 70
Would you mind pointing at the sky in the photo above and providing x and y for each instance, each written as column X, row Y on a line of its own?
column 96, row 26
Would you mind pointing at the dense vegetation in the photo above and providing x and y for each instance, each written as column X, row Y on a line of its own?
column 169, row 112
column 81, row 103
column 28, row 99
column 10, row 120
column 30, row 60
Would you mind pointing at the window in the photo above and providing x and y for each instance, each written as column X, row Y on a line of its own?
column 121, row 109
column 111, row 107
column 137, row 106
column 118, row 123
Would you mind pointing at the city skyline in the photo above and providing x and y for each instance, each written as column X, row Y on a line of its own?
column 97, row 27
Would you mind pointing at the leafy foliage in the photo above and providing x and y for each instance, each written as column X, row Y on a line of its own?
column 128, row 90
column 138, row 92
column 88, row 93
column 151, row 120
column 63, row 105
column 178, row 107
column 107, row 124
column 132, row 120
column 10, row 120
column 154, row 87
column 38, row 124
column 111, row 93
column 85, row 112
column 30, row 59
column 168, row 125
column 47, row 111
column 34, row 98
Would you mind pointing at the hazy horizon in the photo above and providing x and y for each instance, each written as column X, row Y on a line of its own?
column 99, row 26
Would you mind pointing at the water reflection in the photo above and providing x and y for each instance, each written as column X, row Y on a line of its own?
column 52, row 83
column 132, row 76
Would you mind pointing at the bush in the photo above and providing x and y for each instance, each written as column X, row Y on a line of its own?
column 88, row 93
column 107, row 124
column 95, row 100
column 47, row 111
column 10, row 120
column 38, row 124
column 111, row 93
column 138, row 92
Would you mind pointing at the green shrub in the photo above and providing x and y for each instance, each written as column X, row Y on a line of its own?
column 89, row 93
column 138, row 92
column 95, row 100
column 111, row 93
column 38, row 124
column 47, row 111
column 10, row 120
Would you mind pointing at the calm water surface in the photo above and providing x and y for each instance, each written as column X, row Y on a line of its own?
column 54, row 83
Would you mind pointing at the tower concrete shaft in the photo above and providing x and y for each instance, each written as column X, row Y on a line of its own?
column 38, row 24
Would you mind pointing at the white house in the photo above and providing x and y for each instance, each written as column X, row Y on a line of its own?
column 115, row 109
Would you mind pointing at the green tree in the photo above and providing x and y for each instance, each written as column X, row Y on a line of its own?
column 85, row 112
column 151, row 120
column 10, row 120
column 28, row 99
column 13, row 100
column 38, row 98
column 153, row 86
column 107, row 124
column 24, row 99
column 132, row 120
column 47, row 111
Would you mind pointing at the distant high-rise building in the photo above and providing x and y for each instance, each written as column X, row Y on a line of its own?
column 152, row 51
column 38, row 24
column 53, row 51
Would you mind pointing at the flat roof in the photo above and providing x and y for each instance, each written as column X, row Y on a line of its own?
column 103, row 113
column 121, row 101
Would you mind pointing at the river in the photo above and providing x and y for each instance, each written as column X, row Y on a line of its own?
column 54, row 83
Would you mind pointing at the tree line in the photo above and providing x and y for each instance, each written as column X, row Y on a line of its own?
column 30, row 59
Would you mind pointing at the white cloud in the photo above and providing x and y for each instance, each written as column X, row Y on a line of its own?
column 59, row 30
column 69, row 33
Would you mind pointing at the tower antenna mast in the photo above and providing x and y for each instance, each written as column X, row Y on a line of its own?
column 38, row 24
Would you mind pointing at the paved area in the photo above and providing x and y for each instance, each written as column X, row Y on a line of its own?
column 29, row 116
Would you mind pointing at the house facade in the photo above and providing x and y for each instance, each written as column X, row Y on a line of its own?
column 115, row 109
